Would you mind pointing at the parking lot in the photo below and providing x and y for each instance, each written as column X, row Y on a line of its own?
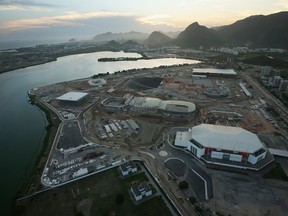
column 182, row 171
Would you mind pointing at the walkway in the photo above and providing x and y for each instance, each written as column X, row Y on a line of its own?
column 278, row 152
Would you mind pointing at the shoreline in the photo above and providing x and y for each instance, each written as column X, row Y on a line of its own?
column 55, row 58
column 32, row 182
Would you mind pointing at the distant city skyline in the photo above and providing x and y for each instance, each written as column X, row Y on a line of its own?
column 43, row 19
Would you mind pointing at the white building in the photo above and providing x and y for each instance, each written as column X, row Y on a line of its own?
column 265, row 71
column 80, row 172
column 127, row 168
column 222, row 142
column 283, row 85
column 276, row 80
column 140, row 191
column 147, row 104
column 73, row 97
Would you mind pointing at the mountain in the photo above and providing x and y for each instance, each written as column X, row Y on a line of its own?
column 109, row 36
column 196, row 35
column 265, row 31
column 113, row 45
column 171, row 34
column 158, row 39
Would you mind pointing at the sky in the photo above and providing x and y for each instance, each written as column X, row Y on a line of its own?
column 59, row 19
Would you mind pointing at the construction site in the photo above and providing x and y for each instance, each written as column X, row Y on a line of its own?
column 137, row 113
column 157, row 98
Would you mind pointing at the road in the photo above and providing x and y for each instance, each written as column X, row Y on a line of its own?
column 155, row 164
column 274, row 102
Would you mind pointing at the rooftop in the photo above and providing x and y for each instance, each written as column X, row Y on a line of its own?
column 225, row 137
column 177, row 106
column 214, row 71
column 72, row 96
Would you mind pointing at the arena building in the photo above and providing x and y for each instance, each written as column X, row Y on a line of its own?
column 171, row 108
column 224, row 143
column 73, row 98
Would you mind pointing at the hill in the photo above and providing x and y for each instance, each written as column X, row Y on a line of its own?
column 196, row 35
column 265, row 31
column 158, row 39
column 108, row 36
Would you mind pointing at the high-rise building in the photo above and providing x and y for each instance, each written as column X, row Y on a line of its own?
column 276, row 80
column 265, row 71
column 283, row 85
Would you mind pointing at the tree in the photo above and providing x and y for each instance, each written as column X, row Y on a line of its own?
column 183, row 185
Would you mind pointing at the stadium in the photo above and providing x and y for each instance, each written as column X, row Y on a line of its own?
column 224, row 144
column 171, row 108
column 150, row 106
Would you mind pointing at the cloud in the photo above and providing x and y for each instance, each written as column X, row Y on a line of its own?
column 282, row 4
column 24, row 5
column 69, row 18
column 157, row 19
column 182, row 3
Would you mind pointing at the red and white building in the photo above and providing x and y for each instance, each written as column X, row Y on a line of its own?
column 222, row 142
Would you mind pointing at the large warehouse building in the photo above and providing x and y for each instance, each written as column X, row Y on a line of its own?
column 73, row 98
column 222, row 142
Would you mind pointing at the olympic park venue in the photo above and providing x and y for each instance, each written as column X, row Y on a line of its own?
column 151, row 106
column 225, row 145
column 73, row 98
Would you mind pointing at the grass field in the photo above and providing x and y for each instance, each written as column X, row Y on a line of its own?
column 101, row 195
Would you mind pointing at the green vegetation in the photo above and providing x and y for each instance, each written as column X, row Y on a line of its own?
column 183, row 185
column 192, row 200
column 266, row 61
column 276, row 173
column 102, row 194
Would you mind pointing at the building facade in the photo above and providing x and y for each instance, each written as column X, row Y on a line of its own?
column 140, row 191
column 222, row 142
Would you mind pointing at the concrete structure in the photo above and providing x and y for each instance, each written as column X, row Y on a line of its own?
column 80, row 172
column 128, row 168
column 214, row 72
column 245, row 90
column 222, row 142
column 74, row 98
column 265, row 71
column 278, row 152
column 283, row 86
column 97, row 82
column 276, row 81
column 140, row 191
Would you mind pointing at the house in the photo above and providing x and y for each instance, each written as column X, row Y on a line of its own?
column 128, row 167
column 140, row 191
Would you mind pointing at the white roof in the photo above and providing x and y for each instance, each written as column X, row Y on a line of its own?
column 151, row 102
column 214, row 71
column 177, row 106
column 226, row 138
column 183, row 136
column 168, row 105
column 72, row 96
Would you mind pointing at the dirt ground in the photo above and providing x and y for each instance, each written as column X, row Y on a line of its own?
column 252, row 120
column 241, row 195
